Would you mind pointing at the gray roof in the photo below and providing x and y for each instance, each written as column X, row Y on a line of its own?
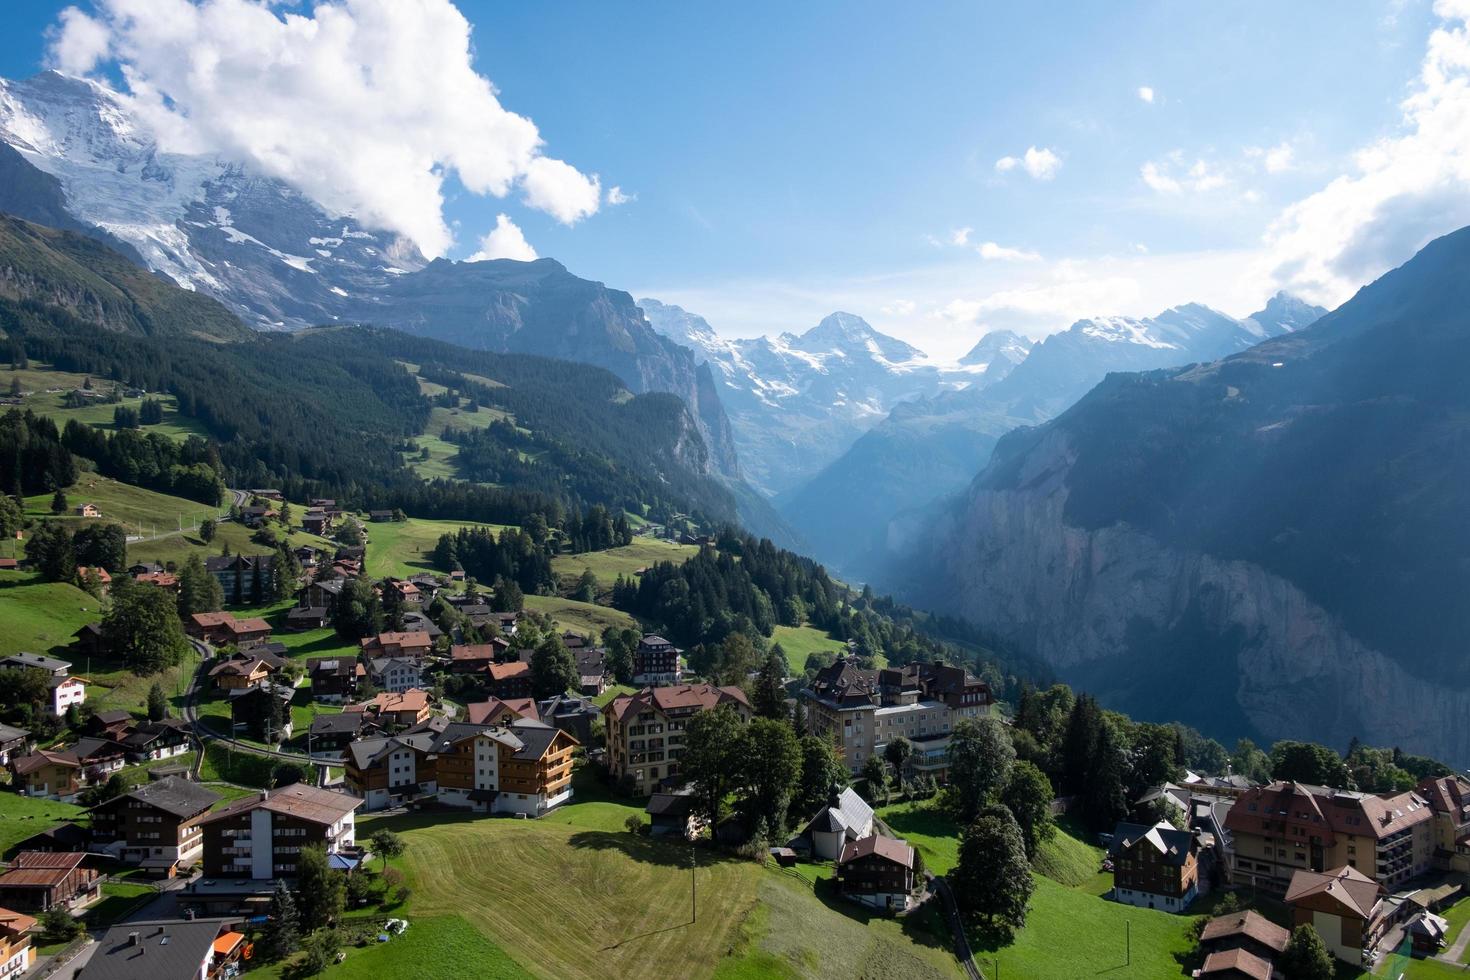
column 167, row 949
column 338, row 723
column 34, row 660
column 9, row 733
column 179, row 797
column 1174, row 846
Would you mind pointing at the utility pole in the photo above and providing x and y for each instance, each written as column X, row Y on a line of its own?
column 1128, row 941
column 693, row 866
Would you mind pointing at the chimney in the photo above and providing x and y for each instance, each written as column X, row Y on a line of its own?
column 132, row 939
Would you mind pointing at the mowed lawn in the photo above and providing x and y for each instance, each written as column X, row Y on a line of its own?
column 37, row 616
column 800, row 641
column 627, row 560
column 567, row 902
column 141, row 512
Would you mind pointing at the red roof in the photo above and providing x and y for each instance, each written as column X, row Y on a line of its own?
column 675, row 697
column 480, row 713
column 502, row 672
column 890, row 848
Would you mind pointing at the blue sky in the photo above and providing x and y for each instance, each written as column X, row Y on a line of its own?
column 784, row 160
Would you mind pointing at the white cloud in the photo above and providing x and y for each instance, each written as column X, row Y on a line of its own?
column 1171, row 176
column 367, row 106
column 1041, row 164
column 78, row 42
column 505, row 241
column 899, row 307
column 616, row 196
column 1280, row 158
column 991, row 251
column 1146, row 93
column 960, row 236
column 1403, row 191
column 1156, row 179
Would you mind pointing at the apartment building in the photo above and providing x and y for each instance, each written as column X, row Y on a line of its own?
column 17, row 955
column 861, row 711
column 656, row 661
column 522, row 767
column 261, row 836
column 645, row 730
column 1449, row 800
column 156, row 826
column 1283, row 828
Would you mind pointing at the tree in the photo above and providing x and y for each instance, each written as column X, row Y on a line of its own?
column 821, row 773
column 282, row 932
column 157, row 703
column 769, row 695
column 58, row 502
column 357, row 611
column 1104, row 800
column 320, row 951
column 992, row 881
column 980, row 758
column 285, row 572
column 1028, row 795
column 392, row 604
column 1249, row 761
column 1079, row 745
column 1306, row 956
column 897, row 753
column 143, row 627
column 714, row 751
column 1306, row 762
column 350, row 533
column 553, row 668
column 586, row 590
column 60, row 926
column 50, row 550
column 385, row 844
column 621, row 644
column 875, row 776
column 207, row 527
column 319, row 889
column 150, row 412
column 199, row 591
column 104, row 545
column 772, row 769
column 12, row 518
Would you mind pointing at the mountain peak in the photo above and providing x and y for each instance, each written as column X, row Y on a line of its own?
column 1285, row 313
column 848, row 334
column 999, row 344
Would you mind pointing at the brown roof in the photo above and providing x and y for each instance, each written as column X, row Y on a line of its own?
column 16, row 922
column 1348, row 887
column 40, row 869
column 309, row 803
column 1448, row 794
column 1239, row 960
column 417, row 638
column 248, row 626
column 27, row 764
column 472, row 651
column 891, row 848
column 1327, row 811
column 479, row 713
column 1249, row 923
column 208, row 619
column 501, row 672
column 675, row 697
column 412, row 699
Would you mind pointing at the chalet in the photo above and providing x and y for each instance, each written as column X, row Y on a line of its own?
column 34, row 661
column 9, row 564
column 145, row 568
column 14, row 742
column 405, row 710
column 498, row 712
column 245, row 632
column 113, row 723
column 167, row 581
column 307, row 618
column 334, row 732
column 65, row 689
column 17, row 956
column 87, row 510
column 509, row 680
column 419, row 622
column 656, row 661
column 846, row 818
column 155, row 825
column 89, row 641
column 273, row 652
column 100, row 758
column 257, row 514
column 1155, row 867
column 334, row 679
column 674, row 815
column 390, row 770
column 39, row 881
column 209, row 627
column 322, row 593
column 65, row 692
column 268, row 494
column 645, row 730
column 1346, row 907
column 1249, row 932
column 317, row 522
column 405, row 646
column 1236, row 964
column 244, row 578
column 573, row 715
column 1283, row 828
column 54, row 775
column 324, row 503
column 94, row 573
column 591, row 670
column 395, row 674
column 172, row 949
column 154, row 740
column 63, row 837
column 473, row 658
column 877, row 871
column 380, row 516
column 239, row 671
column 1427, row 934
column 351, row 552
column 261, row 836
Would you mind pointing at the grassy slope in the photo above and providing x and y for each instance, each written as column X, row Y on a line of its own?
column 583, row 617
column 138, row 510
column 402, row 548
column 38, row 616
column 608, row 565
column 800, row 641
column 38, row 379
column 22, row 817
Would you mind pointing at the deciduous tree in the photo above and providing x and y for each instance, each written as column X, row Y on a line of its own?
column 143, row 627
column 714, row 751
column 980, row 759
column 1306, row 956
column 319, row 889
column 992, row 882
column 1028, row 795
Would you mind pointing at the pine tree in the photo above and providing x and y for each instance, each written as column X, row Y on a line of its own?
column 770, row 688
column 319, row 890
column 157, row 703
column 1306, row 956
column 58, row 501
column 283, row 930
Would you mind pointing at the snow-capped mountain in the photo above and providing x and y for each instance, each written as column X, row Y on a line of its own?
column 930, row 447
column 796, row 401
column 208, row 224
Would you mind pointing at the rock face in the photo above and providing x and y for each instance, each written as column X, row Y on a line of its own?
column 855, row 510
column 72, row 156
column 1273, row 544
